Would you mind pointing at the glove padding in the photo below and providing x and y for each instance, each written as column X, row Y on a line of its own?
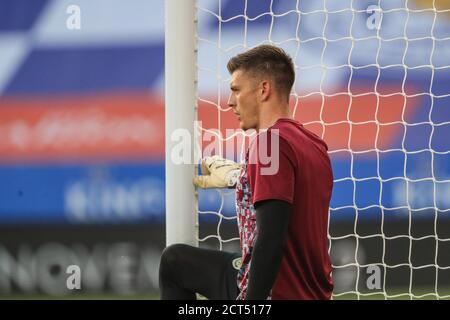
column 217, row 173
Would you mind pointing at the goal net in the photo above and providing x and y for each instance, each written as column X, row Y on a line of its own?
column 372, row 79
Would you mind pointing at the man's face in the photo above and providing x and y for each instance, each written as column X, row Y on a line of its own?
column 243, row 99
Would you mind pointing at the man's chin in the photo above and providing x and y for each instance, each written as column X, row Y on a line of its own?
column 245, row 128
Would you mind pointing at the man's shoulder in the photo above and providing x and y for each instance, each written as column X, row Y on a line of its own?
column 296, row 135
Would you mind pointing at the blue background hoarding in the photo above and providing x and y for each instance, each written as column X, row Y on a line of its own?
column 52, row 77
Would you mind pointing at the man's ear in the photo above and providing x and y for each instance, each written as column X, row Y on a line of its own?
column 265, row 90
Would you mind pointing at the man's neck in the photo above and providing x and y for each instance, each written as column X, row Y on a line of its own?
column 271, row 114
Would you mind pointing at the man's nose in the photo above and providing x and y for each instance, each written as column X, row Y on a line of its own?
column 231, row 102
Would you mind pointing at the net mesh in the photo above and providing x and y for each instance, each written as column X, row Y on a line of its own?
column 372, row 81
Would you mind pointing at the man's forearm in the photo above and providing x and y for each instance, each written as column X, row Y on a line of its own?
column 272, row 218
column 266, row 260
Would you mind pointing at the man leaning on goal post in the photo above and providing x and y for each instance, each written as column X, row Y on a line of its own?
column 282, row 214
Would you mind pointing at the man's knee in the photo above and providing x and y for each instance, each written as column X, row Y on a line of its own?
column 171, row 257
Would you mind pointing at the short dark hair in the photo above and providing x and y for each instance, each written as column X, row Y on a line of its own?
column 267, row 60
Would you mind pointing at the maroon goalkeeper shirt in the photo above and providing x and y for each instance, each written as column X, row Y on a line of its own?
column 302, row 176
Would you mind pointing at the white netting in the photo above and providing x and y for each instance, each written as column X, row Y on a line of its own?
column 373, row 79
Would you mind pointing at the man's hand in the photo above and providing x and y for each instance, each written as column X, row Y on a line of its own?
column 218, row 173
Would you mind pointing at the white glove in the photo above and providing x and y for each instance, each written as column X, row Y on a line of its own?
column 218, row 173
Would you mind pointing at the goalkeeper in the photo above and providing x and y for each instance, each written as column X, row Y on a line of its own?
column 282, row 215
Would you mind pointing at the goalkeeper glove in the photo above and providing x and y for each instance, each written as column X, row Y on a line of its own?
column 218, row 173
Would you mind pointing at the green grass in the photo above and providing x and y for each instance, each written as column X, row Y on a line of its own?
column 80, row 297
column 399, row 294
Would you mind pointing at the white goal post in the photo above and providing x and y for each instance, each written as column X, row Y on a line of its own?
column 180, row 113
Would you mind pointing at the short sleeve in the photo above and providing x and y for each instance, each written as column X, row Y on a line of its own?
column 272, row 173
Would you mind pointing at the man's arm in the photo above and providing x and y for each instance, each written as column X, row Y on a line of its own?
column 272, row 220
